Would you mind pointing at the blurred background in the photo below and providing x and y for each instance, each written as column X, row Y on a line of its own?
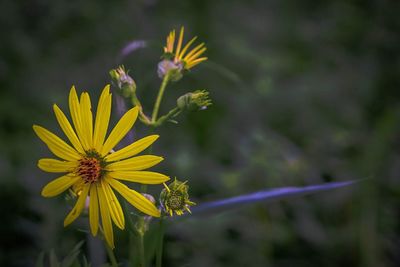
column 303, row 93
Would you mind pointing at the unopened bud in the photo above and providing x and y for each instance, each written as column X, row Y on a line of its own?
column 148, row 218
column 123, row 81
column 149, row 197
column 197, row 100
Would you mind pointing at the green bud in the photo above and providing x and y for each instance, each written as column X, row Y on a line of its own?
column 197, row 100
column 123, row 81
column 174, row 198
column 143, row 226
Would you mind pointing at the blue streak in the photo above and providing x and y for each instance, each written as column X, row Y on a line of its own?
column 270, row 194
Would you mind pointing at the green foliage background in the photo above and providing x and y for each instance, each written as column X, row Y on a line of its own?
column 304, row 92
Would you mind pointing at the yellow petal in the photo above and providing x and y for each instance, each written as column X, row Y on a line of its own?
column 67, row 128
column 179, row 45
column 78, row 186
column 195, row 62
column 120, row 130
column 105, row 217
column 102, row 118
column 169, row 48
column 132, row 149
column 93, row 210
column 135, row 164
column 142, row 177
column 87, row 119
column 194, row 56
column 113, row 205
column 194, row 51
column 134, row 198
column 54, row 165
column 75, row 110
column 187, row 47
column 59, row 185
column 80, row 204
column 56, row 145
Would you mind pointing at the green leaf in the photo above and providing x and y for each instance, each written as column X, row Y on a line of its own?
column 53, row 259
column 85, row 262
column 72, row 256
column 40, row 260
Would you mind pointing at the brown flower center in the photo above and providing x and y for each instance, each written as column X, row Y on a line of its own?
column 175, row 200
column 89, row 169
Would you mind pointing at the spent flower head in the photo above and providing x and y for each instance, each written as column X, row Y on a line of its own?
column 174, row 198
column 197, row 100
column 180, row 58
column 92, row 169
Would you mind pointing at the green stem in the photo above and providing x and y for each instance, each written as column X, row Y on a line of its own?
column 141, row 250
column 131, row 231
column 159, row 97
column 143, row 188
column 142, row 116
column 131, row 253
column 140, row 230
column 110, row 252
column 160, row 243
column 172, row 113
column 111, row 256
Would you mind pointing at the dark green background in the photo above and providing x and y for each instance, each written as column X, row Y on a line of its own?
column 304, row 92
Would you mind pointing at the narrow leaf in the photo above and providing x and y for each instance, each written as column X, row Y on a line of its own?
column 53, row 259
column 70, row 259
column 85, row 262
column 40, row 260
column 72, row 256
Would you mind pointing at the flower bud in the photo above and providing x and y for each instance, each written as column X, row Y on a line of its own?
column 167, row 66
column 148, row 218
column 174, row 198
column 123, row 81
column 197, row 100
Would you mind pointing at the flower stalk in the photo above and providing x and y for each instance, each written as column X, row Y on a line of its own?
column 142, row 116
column 160, row 96
column 140, row 240
column 160, row 243
column 111, row 255
column 167, row 117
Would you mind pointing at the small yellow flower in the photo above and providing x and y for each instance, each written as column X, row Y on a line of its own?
column 91, row 169
column 175, row 198
column 181, row 56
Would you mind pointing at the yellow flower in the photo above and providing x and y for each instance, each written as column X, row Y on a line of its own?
column 181, row 55
column 175, row 198
column 92, row 168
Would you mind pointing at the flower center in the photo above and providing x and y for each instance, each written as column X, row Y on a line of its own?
column 90, row 169
column 176, row 200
